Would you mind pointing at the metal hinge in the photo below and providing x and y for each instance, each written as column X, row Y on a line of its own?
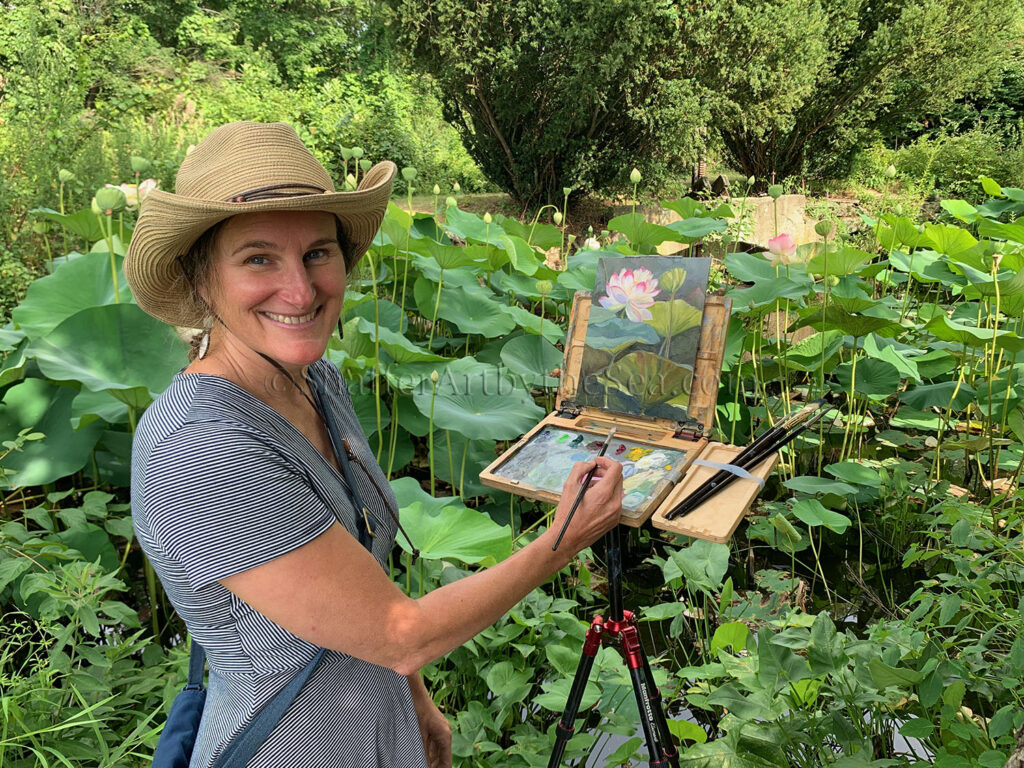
column 568, row 409
column 689, row 431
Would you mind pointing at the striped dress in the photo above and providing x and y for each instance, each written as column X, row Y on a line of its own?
column 222, row 483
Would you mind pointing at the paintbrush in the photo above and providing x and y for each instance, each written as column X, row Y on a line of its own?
column 583, row 489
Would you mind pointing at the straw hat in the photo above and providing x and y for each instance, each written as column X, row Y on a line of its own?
column 240, row 168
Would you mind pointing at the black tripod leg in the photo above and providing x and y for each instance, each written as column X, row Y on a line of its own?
column 565, row 727
column 648, row 698
column 660, row 720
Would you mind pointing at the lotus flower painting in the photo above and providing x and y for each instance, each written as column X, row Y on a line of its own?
column 641, row 340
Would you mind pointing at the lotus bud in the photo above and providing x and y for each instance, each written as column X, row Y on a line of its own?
column 95, row 207
column 590, row 229
column 592, row 244
column 824, row 228
column 41, row 227
column 571, row 239
column 488, row 218
column 890, row 171
column 140, row 164
column 604, row 234
column 672, row 280
column 634, row 176
column 434, row 377
column 544, row 287
column 775, row 191
column 566, row 191
column 450, row 201
column 188, row 149
column 557, row 218
column 350, row 182
column 357, row 152
column 833, row 280
column 365, row 165
column 111, row 200
column 437, row 190
column 751, row 181
column 65, row 175
column 408, row 173
column 346, row 153
column 456, row 188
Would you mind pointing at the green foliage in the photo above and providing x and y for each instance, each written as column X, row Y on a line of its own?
column 559, row 93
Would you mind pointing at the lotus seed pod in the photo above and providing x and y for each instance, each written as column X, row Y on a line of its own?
column 488, row 218
column 450, row 201
column 557, row 218
column 111, row 200
column 833, row 280
column 41, row 227
column 95, row 207
column 566, row 191
column 346, row 153
column 434, row 377
column 775, row 191
column 437, row 190
column 544, row 287
column 604, row 234
column 365, row 165
column 456, row 188
column 65, row 175
column 409, row 173
column 634, row 176
column 890, row 171
column 357, row 152
column 824, row 228
column 140, row 164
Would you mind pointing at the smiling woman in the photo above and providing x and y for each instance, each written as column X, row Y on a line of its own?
column 269, row 544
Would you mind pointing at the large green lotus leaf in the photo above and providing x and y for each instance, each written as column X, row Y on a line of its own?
column 948, row 330
column 899, row 229
column 1002, row 231
column 934, row 363
column 13, row 367
column 525, row 288
column 902, row 362
column 581, row 271
column 430, row 270
column 523, row 257
column 855, row 473
column 670, row 318
column 642, row 235
column 693, row 229
column 962, row 210
column 533, row 324
column 835, row 318
column 117, row 347
column 533, row 358
column 427, row 225
column 475, row 311
column 1007, row 341
column 543, row 236
column 844, row 261
column 750, row 267
column 947, row 239
column 852, row 304
column 478, row 455
column 446, row 256
column 765, row 294
column 813, row 514
column 415, row 377
column 469, row 226
column 806, row 354
column 481, row 404
column 365, row 406
column 88, row 406
column 83, row 223
column 409, row 416
column 388, row 314
column 75, row 285
column 455, row 532
column 395, row 344
column 915, row 263
column 44, row 407
column 10, row 338
column 942, row 395
column 1006, row 283
column 649, row 378
column 618, row 333
column 872, row 377
column 812, row 485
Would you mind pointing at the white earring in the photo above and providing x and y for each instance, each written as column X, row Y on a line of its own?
column 204, row 344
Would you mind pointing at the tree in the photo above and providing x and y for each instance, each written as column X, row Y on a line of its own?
column 837, row 73
column 559, row 93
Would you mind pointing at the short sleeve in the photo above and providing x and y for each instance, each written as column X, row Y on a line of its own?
column 219, row 501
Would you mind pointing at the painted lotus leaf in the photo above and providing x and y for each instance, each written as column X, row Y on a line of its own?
column 670, row 318
column 648, row 377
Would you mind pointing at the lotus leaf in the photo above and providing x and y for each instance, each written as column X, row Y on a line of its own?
column 522, row 256
column 543, row 236
column 10, row 338
column 481, row 404
column 835, row 318
column 395, row 344
column 899, row 229
column 962, row 210
column 872, row 377
column 581, row 271
column 533, row 358
column 14, row 364
column 811, row 484
column 855, row 473
column 765, row 294
column 388, row 314
column 643, row 236
column 1001, row 230
column 750, row 267
column 83, row 223
column 533, row 324
column 477, row 455
column 902, row 361
column 75, row 285
column 647, row 377
column 44, row 407
column 947, row 239
column 446, row 256
column 117, row 348
column 469, row 226
column 806, row 354
column 812, row 513
column 947, row 330
column 693, row 229
column 844, row 261
column 670, row 318
column 88, row 406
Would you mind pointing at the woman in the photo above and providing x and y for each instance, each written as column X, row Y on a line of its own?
column 240, row 500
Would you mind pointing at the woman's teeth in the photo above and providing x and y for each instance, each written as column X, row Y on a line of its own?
column 291, row 319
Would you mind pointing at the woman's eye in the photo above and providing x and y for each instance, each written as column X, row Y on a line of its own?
column 256, row 260
column 317, row 254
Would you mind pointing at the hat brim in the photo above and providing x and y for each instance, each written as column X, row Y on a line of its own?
column 170, row 224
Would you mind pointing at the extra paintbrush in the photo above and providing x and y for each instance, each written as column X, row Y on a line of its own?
column 583, row 489
column 753, row 455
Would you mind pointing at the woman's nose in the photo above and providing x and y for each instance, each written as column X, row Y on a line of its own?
column 297, row 285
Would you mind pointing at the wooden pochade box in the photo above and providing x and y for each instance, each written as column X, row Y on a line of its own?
column 715, row 520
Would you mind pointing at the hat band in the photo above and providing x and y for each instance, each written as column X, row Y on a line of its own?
column 274, row 190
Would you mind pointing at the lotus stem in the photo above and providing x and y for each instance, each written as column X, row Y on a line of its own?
column 437, row 303
column 430, row 439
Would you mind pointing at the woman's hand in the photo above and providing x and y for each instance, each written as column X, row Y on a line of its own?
column 600, row 508
column 434, row 728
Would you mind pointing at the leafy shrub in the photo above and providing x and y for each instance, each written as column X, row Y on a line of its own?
column 952, row 164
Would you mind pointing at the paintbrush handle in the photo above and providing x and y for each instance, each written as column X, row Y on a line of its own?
column 583, row 489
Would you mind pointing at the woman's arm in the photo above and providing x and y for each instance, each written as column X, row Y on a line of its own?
column 332, row 592
column 434, row 727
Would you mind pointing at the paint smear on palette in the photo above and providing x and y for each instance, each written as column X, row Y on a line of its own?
column 546, row 460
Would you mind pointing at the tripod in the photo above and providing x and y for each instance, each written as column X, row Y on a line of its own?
column 620, row 631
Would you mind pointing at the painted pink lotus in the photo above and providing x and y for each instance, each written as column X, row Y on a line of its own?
column 633, row 290
column 782, row 248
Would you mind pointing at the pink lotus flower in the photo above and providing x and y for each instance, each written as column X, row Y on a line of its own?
column 134, row 195
column 782, row 248
column 634, row 290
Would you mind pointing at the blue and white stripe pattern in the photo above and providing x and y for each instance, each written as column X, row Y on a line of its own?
column 222, row 483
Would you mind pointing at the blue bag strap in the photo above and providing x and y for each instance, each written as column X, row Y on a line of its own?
column 196, row 665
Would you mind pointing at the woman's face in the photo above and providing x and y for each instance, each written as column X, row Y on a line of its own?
column 276, row 282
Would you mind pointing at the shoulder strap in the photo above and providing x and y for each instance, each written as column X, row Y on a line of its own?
column 247, row 741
